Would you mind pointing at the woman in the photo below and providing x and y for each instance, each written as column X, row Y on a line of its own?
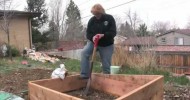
column 101, row 25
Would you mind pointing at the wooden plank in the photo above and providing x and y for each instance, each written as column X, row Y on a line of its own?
column 119, row 84
column 37, row 92
column 68, row 84
column 129, row 78
column 111, row 86
column 125, row 86
column 151, row 91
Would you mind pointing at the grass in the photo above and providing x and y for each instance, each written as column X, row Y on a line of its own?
column 72, row 65
column 7, row 66
column 168, row 77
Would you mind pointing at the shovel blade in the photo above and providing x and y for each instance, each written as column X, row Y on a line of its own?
column 87, row 87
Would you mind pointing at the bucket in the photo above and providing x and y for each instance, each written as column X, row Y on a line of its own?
column 115, row 69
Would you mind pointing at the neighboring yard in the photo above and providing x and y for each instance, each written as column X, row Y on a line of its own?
column 14, row 76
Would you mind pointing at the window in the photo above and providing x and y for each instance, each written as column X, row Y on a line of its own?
column 179, row 41
column 163, row 40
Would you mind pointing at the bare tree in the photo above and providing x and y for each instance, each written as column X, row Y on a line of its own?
column 126, row 30
column 6, row 16
column 160, row 27
column 123, row 29
column 174, row 25
column 118, row 22
column 58, row 15
column 133, row 19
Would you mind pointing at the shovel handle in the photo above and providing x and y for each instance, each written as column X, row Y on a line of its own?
column 95, row 47
column 96, row 41
column 91, row 64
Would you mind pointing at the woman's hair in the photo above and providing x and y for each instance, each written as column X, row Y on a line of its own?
column 97, row 8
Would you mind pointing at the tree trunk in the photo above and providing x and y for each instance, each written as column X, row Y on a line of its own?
column 10, row 51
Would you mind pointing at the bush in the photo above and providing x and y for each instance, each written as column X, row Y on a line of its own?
column 15, row 52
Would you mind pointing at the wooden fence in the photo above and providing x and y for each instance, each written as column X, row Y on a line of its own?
column 177, row 63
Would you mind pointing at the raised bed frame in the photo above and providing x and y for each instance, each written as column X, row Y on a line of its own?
column 126, row 87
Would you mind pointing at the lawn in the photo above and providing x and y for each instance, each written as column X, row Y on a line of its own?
column 72, row 65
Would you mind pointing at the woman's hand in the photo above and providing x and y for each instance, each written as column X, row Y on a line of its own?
column 98, row 36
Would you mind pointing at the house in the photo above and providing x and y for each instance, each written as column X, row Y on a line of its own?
column 174, row 37
column 138, row 43
column 173, row 50
column 20, row 28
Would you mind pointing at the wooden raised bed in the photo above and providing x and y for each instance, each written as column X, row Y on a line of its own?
column 126, row 87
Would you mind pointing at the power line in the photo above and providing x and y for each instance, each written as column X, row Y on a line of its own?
column 106, row 10
column 121, row 4
column 113, row 7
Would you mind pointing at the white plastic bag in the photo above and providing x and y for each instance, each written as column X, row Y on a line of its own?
column 59, row 72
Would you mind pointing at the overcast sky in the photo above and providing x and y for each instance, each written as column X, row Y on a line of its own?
column 174, row 11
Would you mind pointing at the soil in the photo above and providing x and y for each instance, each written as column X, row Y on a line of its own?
column 17, row 82
column 93, row 95
column 176, row 92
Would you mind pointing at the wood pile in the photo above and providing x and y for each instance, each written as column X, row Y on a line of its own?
column 42, row 57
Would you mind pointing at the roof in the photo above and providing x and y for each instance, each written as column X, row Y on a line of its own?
column 184, row 31
column 180, row 31
column 70, row 45
column 171, row 48
column 20, row 13
column 150, row 40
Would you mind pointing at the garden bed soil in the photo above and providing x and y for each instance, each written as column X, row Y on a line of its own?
column 92, row 95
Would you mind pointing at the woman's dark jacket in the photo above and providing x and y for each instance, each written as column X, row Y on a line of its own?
column 105, row 25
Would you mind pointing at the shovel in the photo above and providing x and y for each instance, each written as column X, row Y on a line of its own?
column 91, row 65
